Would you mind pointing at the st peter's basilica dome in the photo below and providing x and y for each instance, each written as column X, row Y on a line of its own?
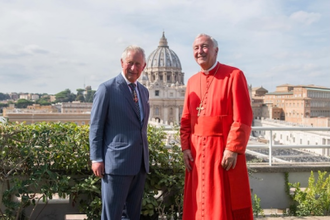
column 163, row 65
column 163, row 56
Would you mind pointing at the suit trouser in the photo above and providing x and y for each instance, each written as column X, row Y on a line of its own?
column 118, row 190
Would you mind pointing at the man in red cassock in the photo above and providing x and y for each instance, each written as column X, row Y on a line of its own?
column 215, row 128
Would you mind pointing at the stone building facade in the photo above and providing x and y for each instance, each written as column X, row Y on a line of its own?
column 301, row 104
column 164, row 79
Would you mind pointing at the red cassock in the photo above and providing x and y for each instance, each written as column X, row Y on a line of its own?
column 211, row 192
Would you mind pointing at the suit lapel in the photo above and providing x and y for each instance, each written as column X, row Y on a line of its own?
column 126, row 92
column 144, row 102
column 143, row 99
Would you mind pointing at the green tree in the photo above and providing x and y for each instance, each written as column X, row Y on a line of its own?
column 44, row 100
column 23, row 103
column 90, row 95
column 80, row 95
column 4, row 96
column 3, row 105
column 65, row 96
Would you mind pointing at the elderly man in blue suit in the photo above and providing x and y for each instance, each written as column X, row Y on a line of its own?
column 118, row 137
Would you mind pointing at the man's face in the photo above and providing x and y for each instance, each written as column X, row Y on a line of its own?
column 133, row 65
column 204, row 52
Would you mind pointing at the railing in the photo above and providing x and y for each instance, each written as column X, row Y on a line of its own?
column 271, row 144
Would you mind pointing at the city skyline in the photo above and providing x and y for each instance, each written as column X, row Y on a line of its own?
column 47, row 47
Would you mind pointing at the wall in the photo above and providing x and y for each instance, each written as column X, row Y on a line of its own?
column 269, row 182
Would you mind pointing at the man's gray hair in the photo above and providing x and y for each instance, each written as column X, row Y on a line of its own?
column 215, row 43
column 133, row 48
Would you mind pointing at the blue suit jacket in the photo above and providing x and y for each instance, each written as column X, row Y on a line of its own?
column 117, row 137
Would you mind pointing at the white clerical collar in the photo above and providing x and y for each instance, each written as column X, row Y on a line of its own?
column 128, row 82
column 207, row 71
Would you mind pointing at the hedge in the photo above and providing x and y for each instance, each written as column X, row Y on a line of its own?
column 42, row 159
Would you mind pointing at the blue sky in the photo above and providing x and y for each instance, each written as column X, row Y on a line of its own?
column 50, row 46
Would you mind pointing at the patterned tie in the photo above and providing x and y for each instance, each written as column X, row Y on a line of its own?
column 135, row 97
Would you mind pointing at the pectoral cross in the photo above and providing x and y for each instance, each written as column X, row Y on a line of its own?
column 199, row 108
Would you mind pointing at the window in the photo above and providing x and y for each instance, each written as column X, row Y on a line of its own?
column 156, row 111
column 156, row 92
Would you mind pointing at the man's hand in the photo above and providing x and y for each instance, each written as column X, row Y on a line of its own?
column 98, row 169
column 187, row 157
column 229, row 160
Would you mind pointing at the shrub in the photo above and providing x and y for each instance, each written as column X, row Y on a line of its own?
column 315, row 199
column 42, row 159
column 257, row 210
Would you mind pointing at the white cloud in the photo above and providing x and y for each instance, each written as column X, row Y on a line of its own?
column 34, row 49
column 48, row 46
column 305, row 17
